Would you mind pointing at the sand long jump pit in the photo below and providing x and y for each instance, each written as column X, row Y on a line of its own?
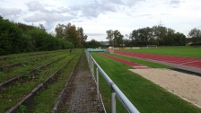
column 186, row 86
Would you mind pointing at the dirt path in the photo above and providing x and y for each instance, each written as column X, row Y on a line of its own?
column 81, row 92
column 187, row 86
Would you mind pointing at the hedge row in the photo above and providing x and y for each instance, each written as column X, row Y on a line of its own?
column 14, row 39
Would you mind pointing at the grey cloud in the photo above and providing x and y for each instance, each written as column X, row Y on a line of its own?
column 48, row 17
column 40, row 13
column 90, row 10
column 83, row 10
column 96, row 8
column 10, row 12
column 131, row 3
column 175, row 3
column 36, row 6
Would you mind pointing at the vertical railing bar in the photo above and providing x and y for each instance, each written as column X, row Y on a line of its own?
column 113, row 100
column 92, row 67
column 97, row 82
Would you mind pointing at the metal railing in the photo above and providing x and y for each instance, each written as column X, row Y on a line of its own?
column 115, row 91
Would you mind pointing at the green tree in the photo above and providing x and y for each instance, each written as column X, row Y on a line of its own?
column 93, row 44
column 60, row 33
column 134, row 37
column 157, row 35
column 118, row 38
column 160, row 33
column 10, row 38
column 110, row 36
column 195, row 34
column 25, row 27
column 82, row 36
column 71, row 33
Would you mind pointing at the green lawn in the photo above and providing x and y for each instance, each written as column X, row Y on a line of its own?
column 176, row 51
column 145, row 95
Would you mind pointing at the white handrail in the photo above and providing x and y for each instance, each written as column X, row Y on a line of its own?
column 116, row 92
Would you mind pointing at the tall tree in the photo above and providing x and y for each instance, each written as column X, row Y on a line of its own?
column 110, row 36
column 72, row 36
column 196, row 35
column 82, row 36
column 60, row 31
column 160, row 33
column 71, row 33
column 134, row 37
column 118, row 38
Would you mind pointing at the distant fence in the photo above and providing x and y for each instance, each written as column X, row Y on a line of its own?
column 115, row 91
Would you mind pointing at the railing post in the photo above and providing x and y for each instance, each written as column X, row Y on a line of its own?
column 97, row 82
column 92, row 67
column 113, row 100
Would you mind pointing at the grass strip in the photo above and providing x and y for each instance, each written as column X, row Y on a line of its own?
column 144, row 94
column 186, row 51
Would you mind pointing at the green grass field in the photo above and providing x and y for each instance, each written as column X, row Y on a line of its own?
column 175, row 51
column 145, row 95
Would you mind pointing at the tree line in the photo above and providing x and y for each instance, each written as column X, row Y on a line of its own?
column 19, row 38
column 156, row 35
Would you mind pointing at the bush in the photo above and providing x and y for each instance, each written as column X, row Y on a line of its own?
column 10, row 38
column 18, row 38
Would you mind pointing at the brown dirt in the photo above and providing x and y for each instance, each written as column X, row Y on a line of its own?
column 187, row 86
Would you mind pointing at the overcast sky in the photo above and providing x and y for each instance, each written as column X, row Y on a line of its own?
column 97, row 16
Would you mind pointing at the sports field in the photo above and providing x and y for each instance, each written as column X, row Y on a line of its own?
column 143, row 93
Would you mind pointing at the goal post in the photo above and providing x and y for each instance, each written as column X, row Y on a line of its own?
column 151, row 46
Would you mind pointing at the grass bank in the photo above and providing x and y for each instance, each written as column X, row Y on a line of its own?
column 144, row 94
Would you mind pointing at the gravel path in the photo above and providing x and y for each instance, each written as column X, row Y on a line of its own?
column 81, row 92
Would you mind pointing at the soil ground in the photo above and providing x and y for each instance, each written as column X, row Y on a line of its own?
column 81, row 94
column 187, row 86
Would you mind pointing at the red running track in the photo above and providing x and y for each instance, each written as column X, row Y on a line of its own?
column 193, row 62
column 135, row 65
